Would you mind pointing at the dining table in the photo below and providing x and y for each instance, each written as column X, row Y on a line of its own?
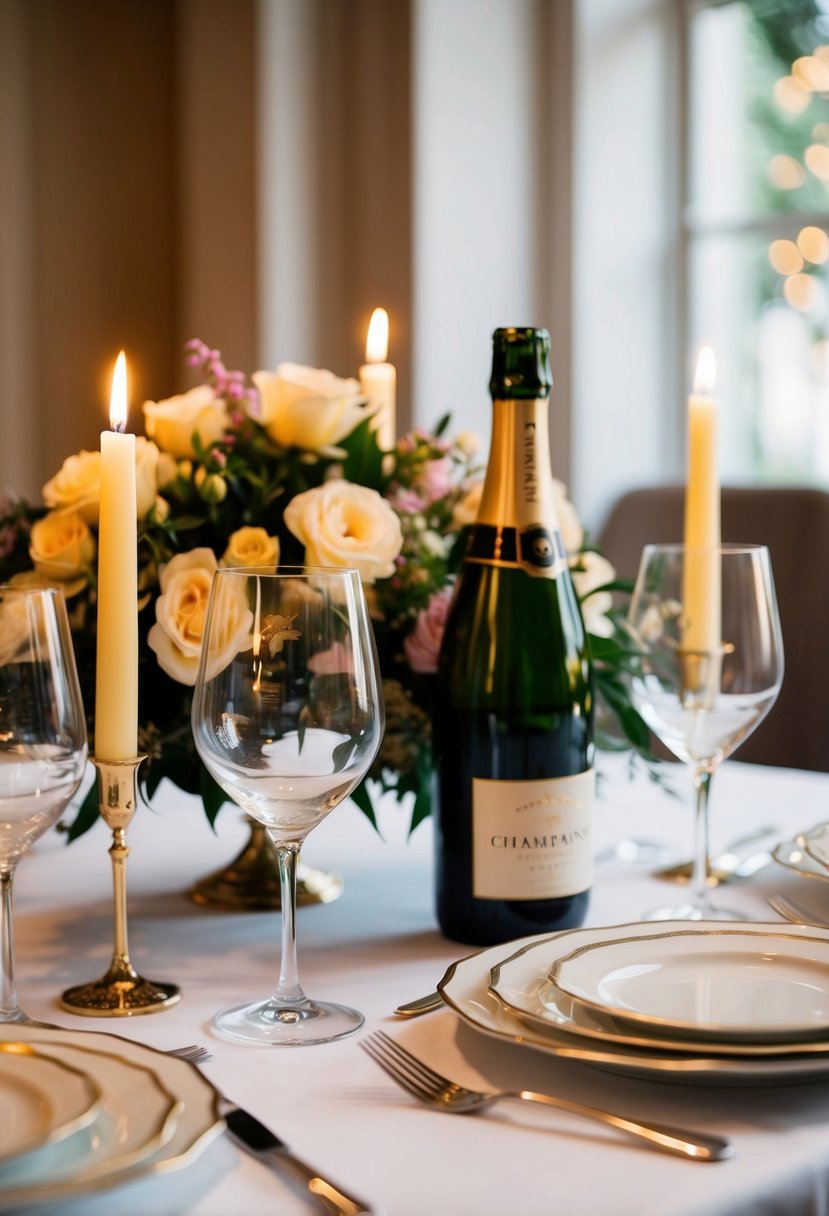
column 378, row 945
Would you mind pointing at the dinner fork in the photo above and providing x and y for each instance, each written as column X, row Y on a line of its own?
column 194, row 1053
column 429, row 1087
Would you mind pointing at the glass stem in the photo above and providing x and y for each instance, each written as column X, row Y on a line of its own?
column 699, row 876
column 9, row 1006
column 288, row 990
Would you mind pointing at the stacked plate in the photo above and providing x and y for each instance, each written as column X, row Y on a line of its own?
column 807, row 854
column 739, row 1002
column 81, row 1111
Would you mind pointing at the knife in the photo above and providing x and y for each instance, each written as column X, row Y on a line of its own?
column 423, row 1004
column 259, row 1140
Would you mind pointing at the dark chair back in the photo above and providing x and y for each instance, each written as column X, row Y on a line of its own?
column 794, row 524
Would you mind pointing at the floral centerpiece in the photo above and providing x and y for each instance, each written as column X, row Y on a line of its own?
column 286, row 467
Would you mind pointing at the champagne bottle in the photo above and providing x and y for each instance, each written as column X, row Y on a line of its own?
column 513, row 729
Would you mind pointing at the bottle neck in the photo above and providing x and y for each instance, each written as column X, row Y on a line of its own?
column 516, row 522
column 518, row 489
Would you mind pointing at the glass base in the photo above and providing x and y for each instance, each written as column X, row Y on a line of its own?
column 693, row 912
column 274, row 1023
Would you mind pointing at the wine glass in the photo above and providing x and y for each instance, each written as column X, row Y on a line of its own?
column 43, row 745
column 709, row 669
column 287, row 717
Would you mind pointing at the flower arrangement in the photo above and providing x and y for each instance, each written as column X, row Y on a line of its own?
column 287, row 467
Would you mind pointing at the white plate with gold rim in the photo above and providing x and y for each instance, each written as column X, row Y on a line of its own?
column 792, row 855
column 521, row 984
column 137, row 1117
column 188, row 1129
column 42, row 1101
column 816, row 844
column 465, row 989
column 740, row 982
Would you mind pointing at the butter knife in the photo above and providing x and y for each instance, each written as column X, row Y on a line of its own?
column 259, row 1140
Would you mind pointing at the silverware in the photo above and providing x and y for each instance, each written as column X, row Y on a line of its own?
column 423, row 1004
column 259, row 1140
column 789, row 911
column 194, row 1053
column 438, row 1091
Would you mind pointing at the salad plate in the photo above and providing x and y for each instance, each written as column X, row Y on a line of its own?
column 793, row 856
column 816, row 843
column 465, row 989
column 521, row 984
column 42, row 1101
column 173, row 1141
column 747, row 982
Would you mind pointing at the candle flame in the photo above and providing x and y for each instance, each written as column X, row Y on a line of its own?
column 118, row 397
column 377, row 340
column 706, row 371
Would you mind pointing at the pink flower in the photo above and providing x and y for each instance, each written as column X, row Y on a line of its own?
column 331, row 662
column 422, row 646
column 435, row 481
column 406, row 501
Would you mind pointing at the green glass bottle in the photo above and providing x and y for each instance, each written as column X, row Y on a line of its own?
column 514, row 725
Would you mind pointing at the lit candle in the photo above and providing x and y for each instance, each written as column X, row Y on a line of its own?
column 701, row 591
column 116, row 687
column 378, row 379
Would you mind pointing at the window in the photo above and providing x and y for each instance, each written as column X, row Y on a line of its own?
column 755, row 229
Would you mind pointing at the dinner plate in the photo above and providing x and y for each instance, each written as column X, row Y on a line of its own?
column 816, row 843
column 792, row 854
column 137, row 1117
column 465, row 989
column 183, row 1138
column 522, row 986
column 42, row 1101
column 746, row 982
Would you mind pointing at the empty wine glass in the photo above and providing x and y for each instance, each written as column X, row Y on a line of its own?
column 287, row 717
column 43, row 746
column 710, row 668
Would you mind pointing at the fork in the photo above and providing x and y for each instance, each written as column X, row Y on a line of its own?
column 194, row 1053
column 429, row 1087
column 789, row 911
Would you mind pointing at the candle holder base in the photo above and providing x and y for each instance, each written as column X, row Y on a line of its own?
column 122, row 992
column 119, row 997
column 250, row 883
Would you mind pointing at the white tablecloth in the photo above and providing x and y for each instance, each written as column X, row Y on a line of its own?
column 378, row 945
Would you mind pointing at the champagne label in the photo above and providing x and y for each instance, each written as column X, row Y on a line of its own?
column 531, row 839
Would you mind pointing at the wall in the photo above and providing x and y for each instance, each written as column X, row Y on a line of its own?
column 128, row 210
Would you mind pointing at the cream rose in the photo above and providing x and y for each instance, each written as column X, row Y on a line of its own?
column 14, row 628
column 61, row 546
column 172, row 422
column 591, row 571
column 307, row 407
column 180, row 612
column 76, row 486
column 572, row 533
column 466, row 510
column 346, row 525
column 146, row 479
column 251, row 547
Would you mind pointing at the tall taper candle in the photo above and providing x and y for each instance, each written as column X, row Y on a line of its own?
column 378, row 379
column 116, row 687
column 701, row 592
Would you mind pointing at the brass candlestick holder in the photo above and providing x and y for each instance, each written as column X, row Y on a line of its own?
column 122, row 992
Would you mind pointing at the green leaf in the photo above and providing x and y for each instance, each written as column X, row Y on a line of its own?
column 362, row 798
column 212, row 795
column 87, row 814
column 363, row 462
column 422, row 808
